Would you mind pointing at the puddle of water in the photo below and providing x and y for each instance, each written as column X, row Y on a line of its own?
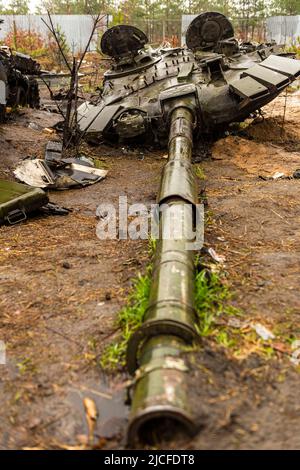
column 110, row 403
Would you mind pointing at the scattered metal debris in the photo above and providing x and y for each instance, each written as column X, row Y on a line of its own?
column 35, row 172
column 34, row 126
column 234, row 322
column 295, row 356
column 18, row 85
column 56, row 172
column 296, row 174
column 215, row 256
column 55, row 209
column 262, row 331
column 50, row 108
column 279, row 175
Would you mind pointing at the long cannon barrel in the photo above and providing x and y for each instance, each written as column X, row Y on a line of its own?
column 155, row 352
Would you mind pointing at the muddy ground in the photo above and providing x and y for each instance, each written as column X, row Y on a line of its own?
column 61, row 289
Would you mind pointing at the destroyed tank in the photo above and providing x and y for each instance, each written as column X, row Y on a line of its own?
column 171, row 97
column 18, row 84
column 223, row 81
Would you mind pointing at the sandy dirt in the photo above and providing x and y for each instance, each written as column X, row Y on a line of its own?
column 61, row 289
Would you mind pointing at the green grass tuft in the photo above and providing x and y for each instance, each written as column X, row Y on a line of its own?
column 210, row 296
column 199, row 172
column 152, row 244
column 129, row 320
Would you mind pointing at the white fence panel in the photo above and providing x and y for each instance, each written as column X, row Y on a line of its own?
column 77, row 28
column 283, row 29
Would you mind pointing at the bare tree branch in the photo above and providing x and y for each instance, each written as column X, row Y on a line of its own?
column 71, row 120
column 95, row 24
column 53, row 32
column 51, row 96
column 67, row 133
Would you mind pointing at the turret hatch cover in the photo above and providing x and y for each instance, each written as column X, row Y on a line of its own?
column 123, row 40
column 207, row 29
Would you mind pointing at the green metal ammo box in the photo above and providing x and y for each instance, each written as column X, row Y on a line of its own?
column 18, row 200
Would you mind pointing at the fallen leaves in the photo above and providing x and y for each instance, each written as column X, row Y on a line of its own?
column 91, row 417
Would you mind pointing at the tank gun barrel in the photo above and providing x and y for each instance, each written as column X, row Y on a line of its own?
column 155, row 352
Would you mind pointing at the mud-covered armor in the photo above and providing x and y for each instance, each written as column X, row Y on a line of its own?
column 18, row 85
column 228, row 81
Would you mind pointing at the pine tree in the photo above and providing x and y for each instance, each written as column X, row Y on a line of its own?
column 17, row 7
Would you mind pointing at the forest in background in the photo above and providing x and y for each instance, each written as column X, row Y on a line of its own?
column 159, row 19
column 137, row 10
